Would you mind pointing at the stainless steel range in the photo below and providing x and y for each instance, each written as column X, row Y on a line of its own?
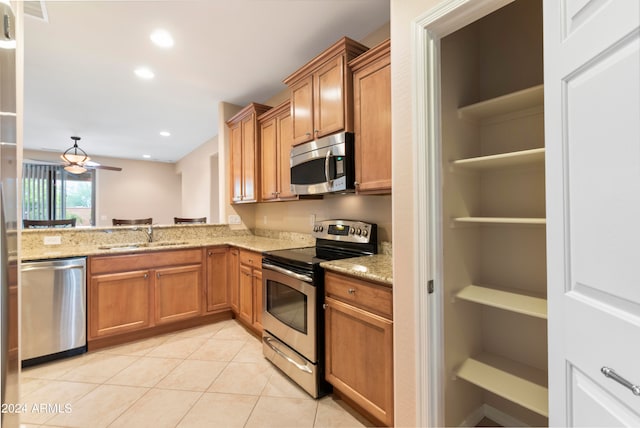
column 293, row 290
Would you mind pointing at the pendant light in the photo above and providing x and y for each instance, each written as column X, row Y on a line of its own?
column 74, row 159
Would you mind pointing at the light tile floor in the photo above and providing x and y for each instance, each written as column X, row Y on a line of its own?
column 209, row 376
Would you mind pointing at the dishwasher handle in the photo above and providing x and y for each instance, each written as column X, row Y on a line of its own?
column 46, row 266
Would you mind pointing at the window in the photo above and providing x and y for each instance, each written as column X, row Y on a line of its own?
column 51, row 193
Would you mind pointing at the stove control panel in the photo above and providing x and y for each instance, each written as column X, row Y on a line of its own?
column 345, row 230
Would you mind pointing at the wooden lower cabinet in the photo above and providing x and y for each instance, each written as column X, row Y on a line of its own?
column 119, row 303
column 217, row 287
column 133, row 292
column 178, row 293
column 233, row 277
column 250, row 290
column 359, row 344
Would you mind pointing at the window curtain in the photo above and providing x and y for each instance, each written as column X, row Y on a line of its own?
column 43, row 192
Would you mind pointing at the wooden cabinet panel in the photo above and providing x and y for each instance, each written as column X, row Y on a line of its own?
column 363, row 294
column 217, row 288
column 132, row 262
column 249, row 157
column 321, row 95
column 329, row 85
column 302, row 110
column 233, row 275
column 236, row 162
column 245, row 309
column 269, row 160
column 244, row 154
column 359, row 357
column 285, row 138
column 359, row 343
column 372, row 119
column 276, row 138
column 119, row 302
column 178, row 293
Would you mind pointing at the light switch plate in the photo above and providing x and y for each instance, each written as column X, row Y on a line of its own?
column 234, row 219
column 53, row 240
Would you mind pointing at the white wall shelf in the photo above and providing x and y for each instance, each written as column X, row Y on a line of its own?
column 520, row 100
column 503, row 160
column 501, row 220
column 510, row 300
column 514, row 381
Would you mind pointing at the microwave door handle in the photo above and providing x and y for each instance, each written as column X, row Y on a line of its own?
column 326, row 167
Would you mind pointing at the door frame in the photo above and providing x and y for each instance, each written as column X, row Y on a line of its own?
column 427, row 30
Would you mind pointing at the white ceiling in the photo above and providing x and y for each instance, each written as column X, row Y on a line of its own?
column 79, row 66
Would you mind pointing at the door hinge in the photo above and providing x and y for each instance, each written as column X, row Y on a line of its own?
column 430, row 286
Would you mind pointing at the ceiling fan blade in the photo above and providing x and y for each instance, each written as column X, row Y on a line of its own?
column 96, row 165
column 107, row 167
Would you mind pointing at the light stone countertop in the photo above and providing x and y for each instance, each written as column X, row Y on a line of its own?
column 378, row 267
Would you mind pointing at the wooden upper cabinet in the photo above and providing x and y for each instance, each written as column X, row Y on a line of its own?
column 276, row 139
column 244, row 153
column 321, row 95
column 372, row 119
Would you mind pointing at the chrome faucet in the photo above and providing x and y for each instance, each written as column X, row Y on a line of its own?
column 149, row 232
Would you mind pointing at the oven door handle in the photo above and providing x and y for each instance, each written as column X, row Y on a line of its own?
column 284, row 271
column 301, row 367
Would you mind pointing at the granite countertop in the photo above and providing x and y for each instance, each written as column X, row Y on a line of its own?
column 377, row 268
column 250, row 242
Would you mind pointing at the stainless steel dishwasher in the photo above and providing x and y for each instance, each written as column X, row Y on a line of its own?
column 54, row 309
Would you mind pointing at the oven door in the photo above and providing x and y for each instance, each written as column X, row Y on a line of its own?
column 289, row 309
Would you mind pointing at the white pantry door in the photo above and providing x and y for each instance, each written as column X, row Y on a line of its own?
column 592, row 122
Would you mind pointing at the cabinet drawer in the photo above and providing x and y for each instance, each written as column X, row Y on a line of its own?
column 362, row 294
column 129, row 262
column 251, row 258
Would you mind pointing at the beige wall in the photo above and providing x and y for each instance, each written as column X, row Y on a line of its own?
column 199, row 182
column 141, row 189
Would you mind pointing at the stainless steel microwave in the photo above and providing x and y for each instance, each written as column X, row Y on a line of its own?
column 325, row 165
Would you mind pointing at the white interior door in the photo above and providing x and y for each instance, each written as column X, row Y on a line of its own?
column 592, row 121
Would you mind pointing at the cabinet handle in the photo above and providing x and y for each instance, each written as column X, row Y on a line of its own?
column 352, row 291
column 610, row 373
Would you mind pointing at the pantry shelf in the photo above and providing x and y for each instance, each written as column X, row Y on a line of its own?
column 520, row 100
column 502, row 220
column 519, row 383
column 510, row 300
column 503, row 160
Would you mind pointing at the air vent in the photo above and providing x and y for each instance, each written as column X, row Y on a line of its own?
column 36, row 9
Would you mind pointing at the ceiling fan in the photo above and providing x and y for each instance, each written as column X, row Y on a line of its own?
column 77, row 161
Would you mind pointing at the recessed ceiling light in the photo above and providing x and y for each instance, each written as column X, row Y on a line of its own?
column 165, row 133
column 146, row 156
column 144, row 73
column 162, row 38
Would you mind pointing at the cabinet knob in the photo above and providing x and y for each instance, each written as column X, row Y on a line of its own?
column 210, row 253
column 316, row 131
column 352, row 291
column 325, row 306
column 157, row 274
column 308, row 134
column 146, row 275
column 355, row 183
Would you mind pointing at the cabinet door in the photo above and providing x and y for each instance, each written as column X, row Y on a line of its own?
column 217, row 286
column 257, row 299
column 178, row 293
column 236, row 162
column 302, row 110
column 249, row 158
column 269, row 160
column 245, row 309
column 119, row 303
column 329, row 98
column 372, row 125
column 285, row 140
column 233, row 276
column 359, row 357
